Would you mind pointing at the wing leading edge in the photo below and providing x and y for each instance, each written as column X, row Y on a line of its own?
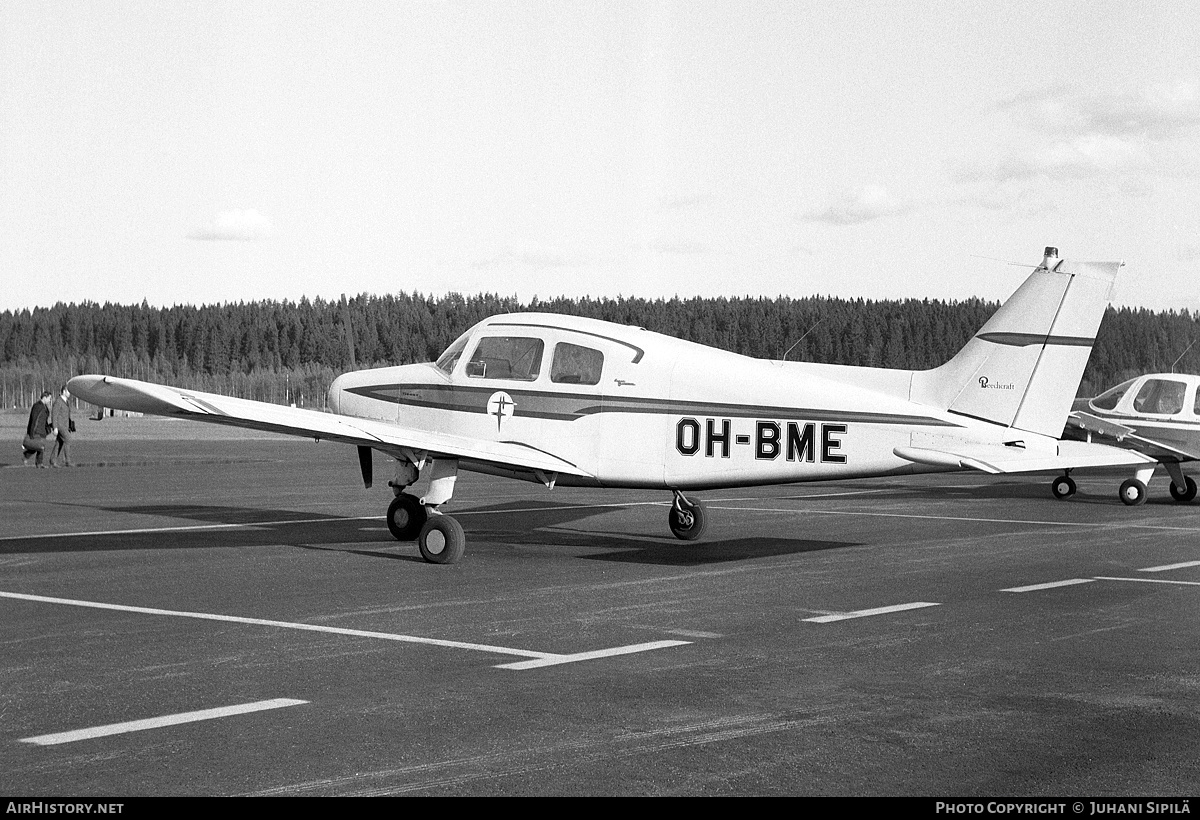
column 161, row 400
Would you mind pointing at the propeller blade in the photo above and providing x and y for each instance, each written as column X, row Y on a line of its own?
column 365, row 464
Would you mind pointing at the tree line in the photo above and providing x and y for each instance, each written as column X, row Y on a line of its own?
column 288, row 352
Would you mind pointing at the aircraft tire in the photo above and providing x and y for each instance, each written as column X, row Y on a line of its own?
column 1063, row 487
column 406, row 516
column 442, row 540
column 1133, row 492
column 1187, row 494
column 690, row 523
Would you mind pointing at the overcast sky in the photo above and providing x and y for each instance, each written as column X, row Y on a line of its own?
column 200, row 152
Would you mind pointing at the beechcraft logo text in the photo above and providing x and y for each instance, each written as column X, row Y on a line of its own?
column 986, row 384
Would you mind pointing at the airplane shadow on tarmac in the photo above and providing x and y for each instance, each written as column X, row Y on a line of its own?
column 218, row 526
column 544, row 526
column 511, row 523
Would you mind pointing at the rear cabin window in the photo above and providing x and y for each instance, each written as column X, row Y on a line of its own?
column 506, row 357
column 1196, row 408
column 1160, row 396
column 574, row 364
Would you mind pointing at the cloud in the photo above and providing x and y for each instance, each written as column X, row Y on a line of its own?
column 1065, row 133
column 244, row 226
column 1121, row 139
column 537, row 258
column 863, row 204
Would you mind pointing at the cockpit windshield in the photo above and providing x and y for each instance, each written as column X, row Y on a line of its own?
column 1109, row 399
column 450, row 358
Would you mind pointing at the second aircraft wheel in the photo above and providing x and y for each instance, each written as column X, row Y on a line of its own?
column 1133, row 492
column 442, row 540
column 688, row 521
column 405, row 517
column 1063, row 487
column 1187, row 493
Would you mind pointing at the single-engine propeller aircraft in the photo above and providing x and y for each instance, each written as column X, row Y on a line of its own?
column 1157, row 416
column 572, row 401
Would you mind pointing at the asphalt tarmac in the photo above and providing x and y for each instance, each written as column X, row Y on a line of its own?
column 232, row 617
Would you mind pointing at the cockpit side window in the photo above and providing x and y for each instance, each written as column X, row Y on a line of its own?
column 575, row 364
column 450, row 358
column 1196, row 408
column 1162, row 396
column 1109, row 399
column 506, row 357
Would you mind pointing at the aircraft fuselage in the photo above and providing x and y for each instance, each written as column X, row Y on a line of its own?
column 661, row 413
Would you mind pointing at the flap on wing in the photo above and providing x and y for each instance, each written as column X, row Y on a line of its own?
column 1100, row 426
column 1128, row 437
column 997, row 459
column 157, row 399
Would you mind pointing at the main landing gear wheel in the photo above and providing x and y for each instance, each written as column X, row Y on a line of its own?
column 1187, row 493
column 1063, row 487
column 442, row 540
column 1133, row 492
column 688, row 519
column 406, row 516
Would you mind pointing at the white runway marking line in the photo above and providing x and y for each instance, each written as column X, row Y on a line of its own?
column 184, row 528
column 864, row 613
column 549, row 658
column 1150, row 581
column 555, row 660
column 1051, row 585
column 158, row 722
column 1166, row 567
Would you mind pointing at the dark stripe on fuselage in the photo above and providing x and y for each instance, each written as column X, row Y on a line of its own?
column 1026, row 339
column 571, row 406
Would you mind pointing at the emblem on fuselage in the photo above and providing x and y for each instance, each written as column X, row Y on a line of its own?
column 500, row 406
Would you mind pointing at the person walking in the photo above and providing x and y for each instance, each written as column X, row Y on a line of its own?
column 64, row 427
column 37, row 430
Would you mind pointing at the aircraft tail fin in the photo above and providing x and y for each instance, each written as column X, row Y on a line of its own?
column 1023, row 367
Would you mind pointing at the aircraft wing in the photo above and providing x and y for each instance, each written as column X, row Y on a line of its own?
column 161, row 400
column 997, row 459
column 1127, row 437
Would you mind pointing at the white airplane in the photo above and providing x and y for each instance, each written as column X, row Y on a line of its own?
column 566, row 400
column 1156, row 416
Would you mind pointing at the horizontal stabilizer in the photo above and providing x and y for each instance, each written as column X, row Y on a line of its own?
column 996, row 458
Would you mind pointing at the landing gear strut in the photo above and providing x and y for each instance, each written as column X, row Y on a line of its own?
column 688, row 519
column 439, row 537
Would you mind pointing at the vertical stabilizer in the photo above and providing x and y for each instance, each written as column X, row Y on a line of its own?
column 1023, row 368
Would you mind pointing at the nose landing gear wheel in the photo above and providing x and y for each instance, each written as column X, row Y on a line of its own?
column 1133, row 492
column 688, row 520
column 1063, row 487
column 442, row 540
column 1187, row 493
column 406, row 516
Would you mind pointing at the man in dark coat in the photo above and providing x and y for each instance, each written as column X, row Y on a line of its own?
column 37, row 430
column 60, row 422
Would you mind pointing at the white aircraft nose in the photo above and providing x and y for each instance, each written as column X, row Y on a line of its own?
column 333, row 399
